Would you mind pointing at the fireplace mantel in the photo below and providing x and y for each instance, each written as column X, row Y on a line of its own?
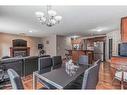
column 14, row 50
column 19, row 48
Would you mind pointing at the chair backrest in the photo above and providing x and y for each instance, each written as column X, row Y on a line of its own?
column 30, row 65
column 83, row 59
column 90, row 79
column 98, row 62
column 57, row 62
column 15, row 79
column 44, row 64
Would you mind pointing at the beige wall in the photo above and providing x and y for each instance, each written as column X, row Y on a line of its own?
column 57, row 45
column 49, row 43
column 115, row 35
column 63, row 43
column 6, row 43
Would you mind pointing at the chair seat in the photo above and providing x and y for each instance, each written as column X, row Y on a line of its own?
column 118, row 75
column 77, row 84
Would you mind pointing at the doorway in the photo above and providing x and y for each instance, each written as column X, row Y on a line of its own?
column 110, row 48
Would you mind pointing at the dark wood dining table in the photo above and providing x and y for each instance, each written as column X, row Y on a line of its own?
column 58, row 78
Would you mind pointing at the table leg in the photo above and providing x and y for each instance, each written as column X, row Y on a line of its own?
column 34, row 81
column 122, row 80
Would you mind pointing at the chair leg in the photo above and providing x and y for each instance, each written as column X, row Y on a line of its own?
column 112, row 81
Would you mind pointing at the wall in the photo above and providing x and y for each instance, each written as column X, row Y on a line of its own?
column 50, row 45
column 63, row 43
column 56, row 45
column 6, row 43
column 115, row 35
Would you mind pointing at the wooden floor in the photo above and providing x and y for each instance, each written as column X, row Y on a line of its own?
column 105, row 80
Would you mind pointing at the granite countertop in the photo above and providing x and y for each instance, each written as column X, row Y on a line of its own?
column 120, row 56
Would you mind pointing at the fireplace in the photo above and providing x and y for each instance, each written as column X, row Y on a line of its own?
column 20, row 53
column 19, row 48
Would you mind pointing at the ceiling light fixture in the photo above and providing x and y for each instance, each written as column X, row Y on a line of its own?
column 75, row 36
column 99, row 29
column 30, row 31
column 50, row 19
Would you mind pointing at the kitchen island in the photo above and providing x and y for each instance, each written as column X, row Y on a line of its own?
column 75, row 54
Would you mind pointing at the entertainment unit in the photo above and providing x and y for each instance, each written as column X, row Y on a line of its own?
column 122, row 49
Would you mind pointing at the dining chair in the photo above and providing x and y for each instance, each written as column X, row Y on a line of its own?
column 79, row 80
column 90, row 78
column 57, row 62
column 44, row 64
column 98, row 62
column 15, row 79
column 83, row 59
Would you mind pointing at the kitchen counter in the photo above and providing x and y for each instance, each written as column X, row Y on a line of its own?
column 75, row 54
column 115, row 59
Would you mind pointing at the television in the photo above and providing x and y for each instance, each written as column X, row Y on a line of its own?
column 19, row 43
column 122, row 49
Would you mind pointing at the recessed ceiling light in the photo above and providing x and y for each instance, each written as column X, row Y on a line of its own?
column 99, row 29
column 75, row 36
column 30, row 31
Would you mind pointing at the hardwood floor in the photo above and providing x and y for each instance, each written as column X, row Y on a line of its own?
column 105, row 80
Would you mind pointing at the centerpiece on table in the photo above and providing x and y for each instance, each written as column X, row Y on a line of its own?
column 71, row 68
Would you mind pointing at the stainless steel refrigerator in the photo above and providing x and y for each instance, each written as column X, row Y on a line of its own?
column 99, row 48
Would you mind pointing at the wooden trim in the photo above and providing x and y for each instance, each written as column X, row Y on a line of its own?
column 122, row 29
column 12, row 49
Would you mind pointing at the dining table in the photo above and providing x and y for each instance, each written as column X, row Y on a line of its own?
column 59, row 78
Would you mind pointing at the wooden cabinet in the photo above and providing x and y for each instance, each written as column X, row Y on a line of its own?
column 75, row 54
column 124, row 29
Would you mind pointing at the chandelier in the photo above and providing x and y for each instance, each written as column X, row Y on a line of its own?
column 50, row 18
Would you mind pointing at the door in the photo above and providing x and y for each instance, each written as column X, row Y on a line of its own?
column 110, row 48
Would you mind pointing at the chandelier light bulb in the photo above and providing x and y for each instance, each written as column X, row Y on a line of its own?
column 53, row 21
column 51, row 13
column 43, row 19
column 39, row 14
column 58, row 18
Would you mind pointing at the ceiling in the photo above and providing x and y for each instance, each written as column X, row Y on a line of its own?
column 77, row 20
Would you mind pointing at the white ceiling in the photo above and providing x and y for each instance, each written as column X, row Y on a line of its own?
column 77, row 20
